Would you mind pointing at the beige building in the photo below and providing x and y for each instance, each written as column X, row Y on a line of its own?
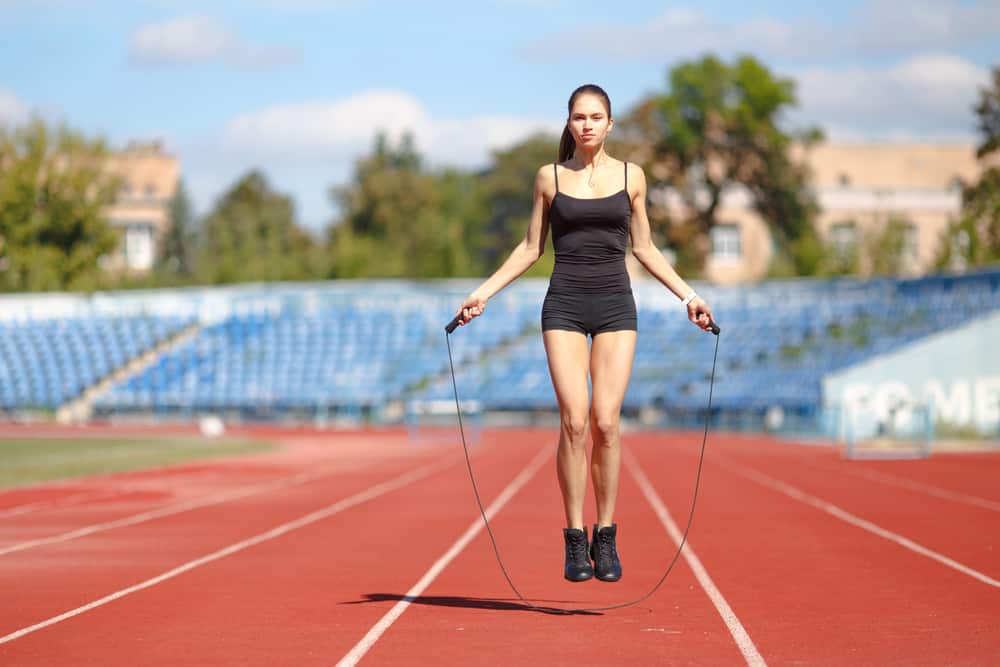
column 859, row 188
column 149, row 182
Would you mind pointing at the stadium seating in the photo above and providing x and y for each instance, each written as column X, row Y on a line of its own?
column 46, row 362
column 780, row 339
column 344, row 354
column 302, row 350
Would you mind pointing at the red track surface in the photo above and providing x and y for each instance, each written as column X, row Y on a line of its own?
column 806, row 585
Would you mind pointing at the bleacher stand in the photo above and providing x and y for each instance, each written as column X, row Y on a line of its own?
column 46, row 362
column 301, row 350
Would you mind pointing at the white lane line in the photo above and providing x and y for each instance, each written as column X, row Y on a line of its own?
column 736, row 629
column 142, row 517
column 847, row 517
column 278, row 531
column 921, row 487
column 362, row 647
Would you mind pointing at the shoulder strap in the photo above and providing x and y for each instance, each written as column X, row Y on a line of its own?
column 555, row 170
column 626, row 177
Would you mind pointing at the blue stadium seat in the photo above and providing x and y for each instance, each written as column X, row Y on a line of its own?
column 331, row 346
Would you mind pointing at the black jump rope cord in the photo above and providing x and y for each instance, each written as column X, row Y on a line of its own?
column 694, row 498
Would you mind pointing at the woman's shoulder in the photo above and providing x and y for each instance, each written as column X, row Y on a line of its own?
column 551, row 167
column 546, row 173
column 633, row 169
column 635, row 172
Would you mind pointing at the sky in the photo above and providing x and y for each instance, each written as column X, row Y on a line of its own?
column 299, row 88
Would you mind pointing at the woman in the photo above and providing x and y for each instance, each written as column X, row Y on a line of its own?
column 593, row 203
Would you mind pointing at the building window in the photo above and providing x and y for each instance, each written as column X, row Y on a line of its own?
column 726, row 242
column 150, row 190
column 843, row 237
column 139, row 247
column 843, row 179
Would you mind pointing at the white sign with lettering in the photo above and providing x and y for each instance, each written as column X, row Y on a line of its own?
column 960, row 402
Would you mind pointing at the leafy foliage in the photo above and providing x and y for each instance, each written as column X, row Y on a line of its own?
column 54, row 190
column 885, row 248
column 175, row 260
column 988, row 116
column 400, row 219
column 974, row 239
column 717, row 128
column 509, row 187
column 251, row 235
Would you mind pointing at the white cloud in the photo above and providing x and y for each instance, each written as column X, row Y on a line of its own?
column 12, row 109
column 341, row 130
column 312, row 145
column 293, row 139
column 182, row 40
column 883, row 26
column 198, row 39
column 927, row 95
column 918, row 24
column 682, row 32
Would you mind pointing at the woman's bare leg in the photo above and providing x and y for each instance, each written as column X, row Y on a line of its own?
column 610, row 367
column 568, row 360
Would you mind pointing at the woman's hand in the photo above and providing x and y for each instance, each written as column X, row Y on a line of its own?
column 473, row 306
column 700, row 313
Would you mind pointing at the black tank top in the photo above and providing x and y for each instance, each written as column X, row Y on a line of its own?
column 590, row 237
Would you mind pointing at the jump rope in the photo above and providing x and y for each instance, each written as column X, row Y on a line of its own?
column 449, row 329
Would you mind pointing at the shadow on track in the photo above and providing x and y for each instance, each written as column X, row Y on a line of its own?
column 471, row 603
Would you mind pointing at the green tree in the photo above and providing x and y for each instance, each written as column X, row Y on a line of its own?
column 974, row 238
column 885, row 248
column 509, row 184
column 175, row 260
column 841, row 257
column 251, row 235
column 399, row 219
column 988, row 116
column 717, row 127
column 54, row 192
column 448, row 234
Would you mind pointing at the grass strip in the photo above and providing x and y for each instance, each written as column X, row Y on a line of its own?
column 39, row 460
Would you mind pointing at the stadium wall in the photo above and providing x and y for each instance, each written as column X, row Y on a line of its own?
column 955, row 374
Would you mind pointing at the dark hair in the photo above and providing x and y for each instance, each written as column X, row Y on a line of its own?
column 567, row 145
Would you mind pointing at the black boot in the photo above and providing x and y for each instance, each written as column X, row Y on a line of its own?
column 578, row 567
column 604, row 552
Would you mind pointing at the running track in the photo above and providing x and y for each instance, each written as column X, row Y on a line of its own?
column 361, row 547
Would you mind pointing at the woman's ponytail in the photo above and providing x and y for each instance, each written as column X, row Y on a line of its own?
column 567, row 145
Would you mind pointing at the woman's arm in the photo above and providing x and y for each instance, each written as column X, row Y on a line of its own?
column 524, row 255
column 654, row 261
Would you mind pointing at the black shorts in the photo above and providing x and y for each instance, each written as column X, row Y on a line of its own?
column 589, row 313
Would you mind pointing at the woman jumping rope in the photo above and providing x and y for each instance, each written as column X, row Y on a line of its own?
column 593, row 204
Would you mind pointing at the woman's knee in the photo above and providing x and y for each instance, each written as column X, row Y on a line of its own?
column 574, row 427
column 606, row 429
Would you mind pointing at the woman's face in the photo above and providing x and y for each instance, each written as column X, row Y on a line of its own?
column 588, row 121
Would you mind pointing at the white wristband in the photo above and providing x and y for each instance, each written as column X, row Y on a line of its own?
column 690, row 297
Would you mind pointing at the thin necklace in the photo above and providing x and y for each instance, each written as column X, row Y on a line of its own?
column 590, row 179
